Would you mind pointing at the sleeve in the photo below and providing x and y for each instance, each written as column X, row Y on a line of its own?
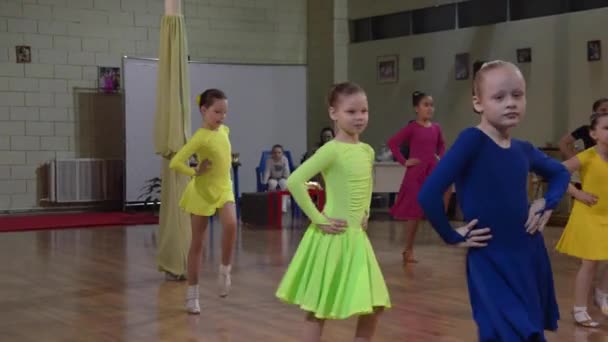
column 580, row 133
column 318, row 162
column 178, row 162
column 584, row 157
column 553, row 171
column 449, row 168
column 395, row 142
column 440, row 142
column 266, row 175
column 286, row 169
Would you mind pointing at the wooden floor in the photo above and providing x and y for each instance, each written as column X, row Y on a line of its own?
column 101, row 284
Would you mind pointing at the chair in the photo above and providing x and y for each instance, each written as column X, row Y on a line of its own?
column 259, row 170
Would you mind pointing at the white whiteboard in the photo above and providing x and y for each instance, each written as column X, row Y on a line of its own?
column 266, row 106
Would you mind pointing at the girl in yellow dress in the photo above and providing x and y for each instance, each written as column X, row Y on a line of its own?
column 334, row 273
column 586, row 234
column 209, row 190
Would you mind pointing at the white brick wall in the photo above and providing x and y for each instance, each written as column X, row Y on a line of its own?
column 71, row 38
column 8, row 128
column 39, row 99
column 10, row 69
column 22, row 25
column 23, row 172
column 12, row 158
column 8, row 98
column 25, row 113
column 54, row 143
column 12, row 187
column 4, row 114
column 5, row 171
column 68, row 72
column 23, row 84
column 38, row 41
column 53, row 114
column 25, row 143
column 39, row 129
column 39, row 70
column 5, row 144
column 67, row 43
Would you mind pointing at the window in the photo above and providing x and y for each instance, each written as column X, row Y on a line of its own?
column 434, row 19
column 582, row 5
column 481, row 12
column 361, row 30
column 524, row 9
column 470, row 13
column 392, row 25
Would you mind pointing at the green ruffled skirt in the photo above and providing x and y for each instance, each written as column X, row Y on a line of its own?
column 334, row 276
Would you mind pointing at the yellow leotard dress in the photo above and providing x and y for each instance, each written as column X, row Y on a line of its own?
column 586, row 234
column 335, row 276
column 210, row 191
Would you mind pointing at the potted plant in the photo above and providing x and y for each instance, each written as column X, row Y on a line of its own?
column 150, row 195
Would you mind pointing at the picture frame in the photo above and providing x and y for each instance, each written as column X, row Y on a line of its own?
column 418, row 63
column 387, row 69
column 24, row 54
column 524, row 55
column 461, row 66
column 109, row 78
column 594, row 50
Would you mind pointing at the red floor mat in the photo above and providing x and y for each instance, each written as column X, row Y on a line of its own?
column 13, row 223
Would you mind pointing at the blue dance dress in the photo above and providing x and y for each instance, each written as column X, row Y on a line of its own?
column 510, row 280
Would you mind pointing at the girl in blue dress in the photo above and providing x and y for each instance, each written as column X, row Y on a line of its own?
column 508, row 270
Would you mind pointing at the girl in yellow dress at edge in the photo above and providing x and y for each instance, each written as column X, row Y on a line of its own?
column 209, row 190
column 586, row 234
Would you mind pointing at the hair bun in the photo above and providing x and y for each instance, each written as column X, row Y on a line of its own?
column 417, row 96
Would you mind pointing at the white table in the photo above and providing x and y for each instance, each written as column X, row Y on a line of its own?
column 388, row 176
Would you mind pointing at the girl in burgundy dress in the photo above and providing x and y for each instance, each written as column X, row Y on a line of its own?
column 426, row 145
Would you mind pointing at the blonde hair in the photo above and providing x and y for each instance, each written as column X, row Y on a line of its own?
column 496, row 64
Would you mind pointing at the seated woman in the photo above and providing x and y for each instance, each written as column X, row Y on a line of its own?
column 277, row 171
column 326, row 134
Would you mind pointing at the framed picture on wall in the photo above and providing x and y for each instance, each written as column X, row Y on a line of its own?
column 524, row 55
column 418, row 63
column 109, row 78
column 387, row 69
column 461, row 66
column 594, row 50
column 24, row 54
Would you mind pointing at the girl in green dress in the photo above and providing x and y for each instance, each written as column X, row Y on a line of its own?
column 334, row 273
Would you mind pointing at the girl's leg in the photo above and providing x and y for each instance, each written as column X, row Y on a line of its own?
column 601, row 292
column 272, row 184
column 584, row 278
column 313, row 329
column 366, row 326
column 283, row 184
column 604, row 280
column 228, row 220
column 285, row 201
column 195, row 255
column 411, row 227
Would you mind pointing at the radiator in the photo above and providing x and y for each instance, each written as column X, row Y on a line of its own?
column 83, row 180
